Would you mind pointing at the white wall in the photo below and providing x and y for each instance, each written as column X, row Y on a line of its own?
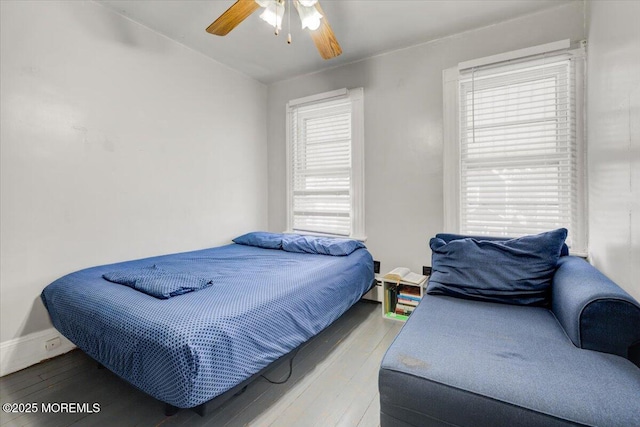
column 116, row 143
column 403, row 128
column 613, row 117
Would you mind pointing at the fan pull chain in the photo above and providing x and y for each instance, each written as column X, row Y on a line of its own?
column 276, row 31
column 289, row 23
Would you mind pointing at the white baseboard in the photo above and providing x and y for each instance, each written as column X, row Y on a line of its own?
column 22, row 352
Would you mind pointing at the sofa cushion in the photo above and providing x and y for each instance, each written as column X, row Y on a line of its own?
column 514, row 366
column 515, row 271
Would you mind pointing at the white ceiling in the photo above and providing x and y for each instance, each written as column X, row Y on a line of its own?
column 362, row 27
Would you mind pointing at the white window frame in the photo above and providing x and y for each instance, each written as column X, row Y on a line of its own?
column 356, row 96
column 451, row 152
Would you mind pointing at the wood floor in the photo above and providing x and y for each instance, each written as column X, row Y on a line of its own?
column 334, row 383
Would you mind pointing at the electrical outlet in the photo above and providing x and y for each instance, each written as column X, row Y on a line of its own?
column 53, row 343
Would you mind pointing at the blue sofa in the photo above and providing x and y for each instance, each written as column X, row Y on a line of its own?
column 461, row 362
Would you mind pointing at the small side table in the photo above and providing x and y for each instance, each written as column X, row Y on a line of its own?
column 409, row 294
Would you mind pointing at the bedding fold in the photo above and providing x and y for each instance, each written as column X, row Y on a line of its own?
column 157, row 282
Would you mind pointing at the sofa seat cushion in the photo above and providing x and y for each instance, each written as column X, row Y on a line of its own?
column 470, row 363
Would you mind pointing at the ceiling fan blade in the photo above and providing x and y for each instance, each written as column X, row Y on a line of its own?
column 324, row 39
column 233, row 16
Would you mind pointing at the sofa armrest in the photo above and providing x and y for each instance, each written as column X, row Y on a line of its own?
column 595, row 312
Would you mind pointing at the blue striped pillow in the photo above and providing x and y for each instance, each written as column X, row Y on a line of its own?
column 320, row 245
column 261, row 239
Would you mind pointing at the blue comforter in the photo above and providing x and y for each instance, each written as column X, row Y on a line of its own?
column 190, row 348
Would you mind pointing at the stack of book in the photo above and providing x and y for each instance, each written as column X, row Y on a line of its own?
column 391, row 299
column 408, row 299
column 401, row 292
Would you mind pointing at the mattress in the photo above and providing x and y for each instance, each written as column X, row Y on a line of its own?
column 190, row 348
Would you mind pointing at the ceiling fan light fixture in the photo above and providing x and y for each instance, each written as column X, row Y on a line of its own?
column 309, row 16
column 309, row 11
column 273, row 14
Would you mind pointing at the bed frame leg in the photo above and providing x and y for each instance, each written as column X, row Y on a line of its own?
column 201, row 409
column 170, row 410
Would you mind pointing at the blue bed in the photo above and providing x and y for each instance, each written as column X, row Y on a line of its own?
column 188, row 349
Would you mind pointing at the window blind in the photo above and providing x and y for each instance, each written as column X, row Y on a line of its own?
column 321, row 167
column 518, row 148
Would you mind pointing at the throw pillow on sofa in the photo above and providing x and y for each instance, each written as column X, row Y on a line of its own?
column 516, row 271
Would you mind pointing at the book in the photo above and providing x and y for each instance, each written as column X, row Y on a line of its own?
column 403, row 312
column 410, row 291
column 391, row 299
column 396, row 316
column 404, row 308
column 407, row 301
column 404, row 274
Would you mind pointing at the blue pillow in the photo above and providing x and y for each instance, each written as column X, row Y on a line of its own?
column 516, row 271
column 320, row 245
column 261, row 239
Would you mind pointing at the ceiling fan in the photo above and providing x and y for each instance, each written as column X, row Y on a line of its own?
column 310, row 12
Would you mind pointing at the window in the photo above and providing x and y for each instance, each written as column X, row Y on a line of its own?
column 519, row 147
column 325, row 154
